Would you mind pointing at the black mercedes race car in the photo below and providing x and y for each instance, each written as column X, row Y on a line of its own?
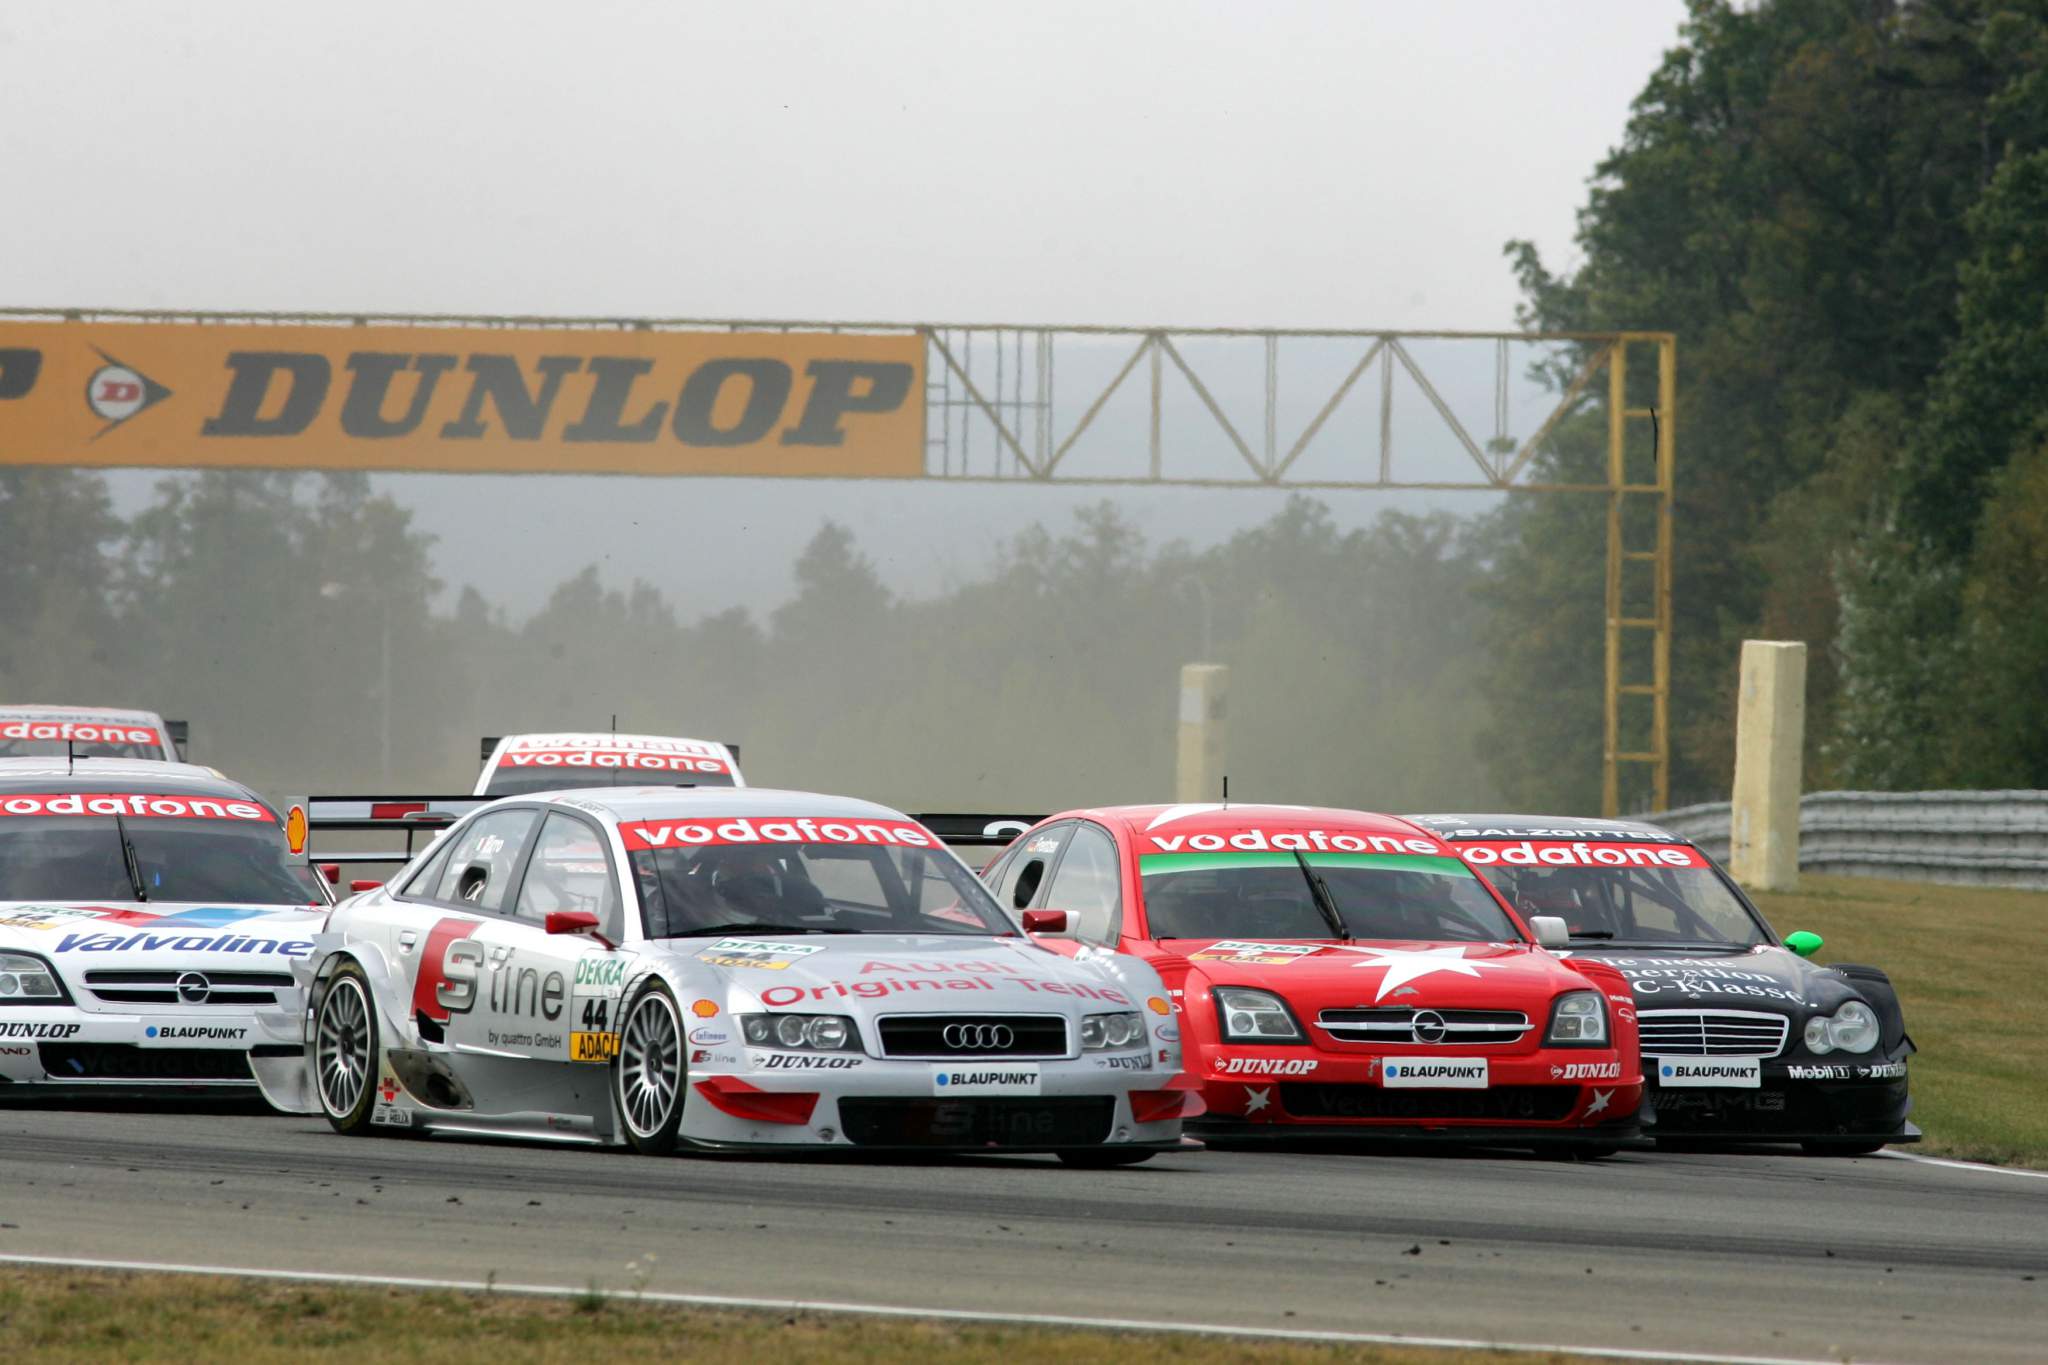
column 1744, row 1040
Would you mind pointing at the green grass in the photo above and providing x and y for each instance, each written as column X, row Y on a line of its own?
column 1969, row 964
column 91, row 1317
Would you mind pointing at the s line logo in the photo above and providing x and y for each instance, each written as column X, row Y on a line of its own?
column 448, row 970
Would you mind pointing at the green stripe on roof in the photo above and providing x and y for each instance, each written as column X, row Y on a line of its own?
column 1152, row 863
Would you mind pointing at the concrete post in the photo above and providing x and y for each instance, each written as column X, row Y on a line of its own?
column 1770, row 738
column 1198, row 770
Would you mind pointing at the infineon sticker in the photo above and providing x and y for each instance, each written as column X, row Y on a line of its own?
column 1738, row 1073
column 748, row 952
column 986, row 1078
column 140, row 804
column 642, row 835
column 1266, row 954
column 1433, row 1073
column 1535, row 853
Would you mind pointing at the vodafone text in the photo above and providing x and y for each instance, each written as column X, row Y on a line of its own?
column 1293, row 840
column 132, row 803
column 83, row 733
column 641, row 835
column 1528, row 853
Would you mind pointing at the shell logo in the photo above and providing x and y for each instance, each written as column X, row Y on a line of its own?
column 295, row 829
column 1158, row 1006
column 704, row 1009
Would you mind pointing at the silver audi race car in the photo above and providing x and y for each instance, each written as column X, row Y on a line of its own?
column 721, row 968
column 147, row 910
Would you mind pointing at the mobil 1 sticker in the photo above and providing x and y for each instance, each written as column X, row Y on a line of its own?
column 1433, row 1073
column 1742, row 1073
column 986, row 1078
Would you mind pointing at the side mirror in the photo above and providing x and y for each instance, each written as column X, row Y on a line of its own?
column 1803, row 943
column 1049, row 923
column 331, row 871
column 361, row 885
column 1551, row 932
column 571, row 922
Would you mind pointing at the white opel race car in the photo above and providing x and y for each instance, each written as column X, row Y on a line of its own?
column 733, row 968
column 88, row 732
column 147, row 910
column 518, row 765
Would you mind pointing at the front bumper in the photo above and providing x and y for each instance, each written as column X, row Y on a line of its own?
column 876, row 1104
column 1786, row 1106
column 52, row 1048
column 1573, row 1095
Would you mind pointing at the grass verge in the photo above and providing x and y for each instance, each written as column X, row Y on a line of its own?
column 1968, row 965
column 58, row 1315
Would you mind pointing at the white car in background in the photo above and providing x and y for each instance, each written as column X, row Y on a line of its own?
column 29, row 731
column 724, row 969
column 517, row 765
column 147, row 911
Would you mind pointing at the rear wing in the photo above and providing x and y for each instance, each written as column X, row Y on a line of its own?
column 390, row 816
column 180, row 734
column 981, row 830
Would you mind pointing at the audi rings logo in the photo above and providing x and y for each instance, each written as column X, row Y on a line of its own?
column 978, row 1037
column 194, row 988
column 1427, row 1026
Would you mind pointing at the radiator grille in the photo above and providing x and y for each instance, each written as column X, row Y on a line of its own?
column 1712, row 1033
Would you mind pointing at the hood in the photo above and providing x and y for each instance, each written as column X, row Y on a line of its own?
column 920, row 972
column 77, row 935
column 1761, row 978
column 1316, row 975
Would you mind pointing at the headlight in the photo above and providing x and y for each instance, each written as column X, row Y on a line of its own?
column 1852, row 1028
column 815, row 1032
column 1101, row 1032
column 1255, row 1017
column 26, row 980
column 1578, row 1019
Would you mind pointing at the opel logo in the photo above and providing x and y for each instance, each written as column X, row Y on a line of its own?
column 194, row 988
column 978, row 1037
column 1427, row 1026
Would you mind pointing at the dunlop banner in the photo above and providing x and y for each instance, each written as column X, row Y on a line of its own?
column 462, row 399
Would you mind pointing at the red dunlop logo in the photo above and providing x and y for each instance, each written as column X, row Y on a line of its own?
column 135, row 803
column 640, row 835
column 81, row 732
column 613, row 758
column 1296, row 840
column 1530, row 853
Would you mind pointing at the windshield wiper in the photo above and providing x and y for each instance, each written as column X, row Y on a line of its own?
column 1324, row 902
column 128, row 859
column 1592, row 933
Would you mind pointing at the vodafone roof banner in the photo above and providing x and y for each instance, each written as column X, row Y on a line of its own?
column 474, row 399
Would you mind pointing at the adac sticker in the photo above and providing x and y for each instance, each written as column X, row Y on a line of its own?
column 1262, row 954
column 593, row 1047
column 747, row 952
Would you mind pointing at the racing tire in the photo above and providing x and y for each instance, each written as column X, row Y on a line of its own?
column 1102, row 1158
column 345, row 1051
column 1845, row 1147
column 648, row 1074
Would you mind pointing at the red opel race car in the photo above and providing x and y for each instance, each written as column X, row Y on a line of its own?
column 1339, row 974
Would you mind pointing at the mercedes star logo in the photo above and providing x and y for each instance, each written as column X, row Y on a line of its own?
column 194, row 988
column 978, row 1037
column 1427, row 1026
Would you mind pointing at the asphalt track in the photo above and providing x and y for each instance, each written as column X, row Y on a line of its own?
column 1738, row 1255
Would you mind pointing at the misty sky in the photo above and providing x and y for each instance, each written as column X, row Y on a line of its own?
column 1278, row 164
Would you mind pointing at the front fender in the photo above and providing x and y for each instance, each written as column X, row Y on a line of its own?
column 286, row 1081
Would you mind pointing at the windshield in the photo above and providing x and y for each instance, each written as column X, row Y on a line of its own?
column 868, row 883
column 234, row 860
column 1273, row 896
column 1677, row 898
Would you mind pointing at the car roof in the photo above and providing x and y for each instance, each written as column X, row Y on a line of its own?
column 56, row 773
column 714, row 803
column 1204, row 817
column 1476, row 827
column 601, row 739
column 50, row 711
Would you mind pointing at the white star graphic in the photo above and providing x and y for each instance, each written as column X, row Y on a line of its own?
column 1404, row 965
column 1173, row 813
column 1599, row 1104
column 1255, row 1100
